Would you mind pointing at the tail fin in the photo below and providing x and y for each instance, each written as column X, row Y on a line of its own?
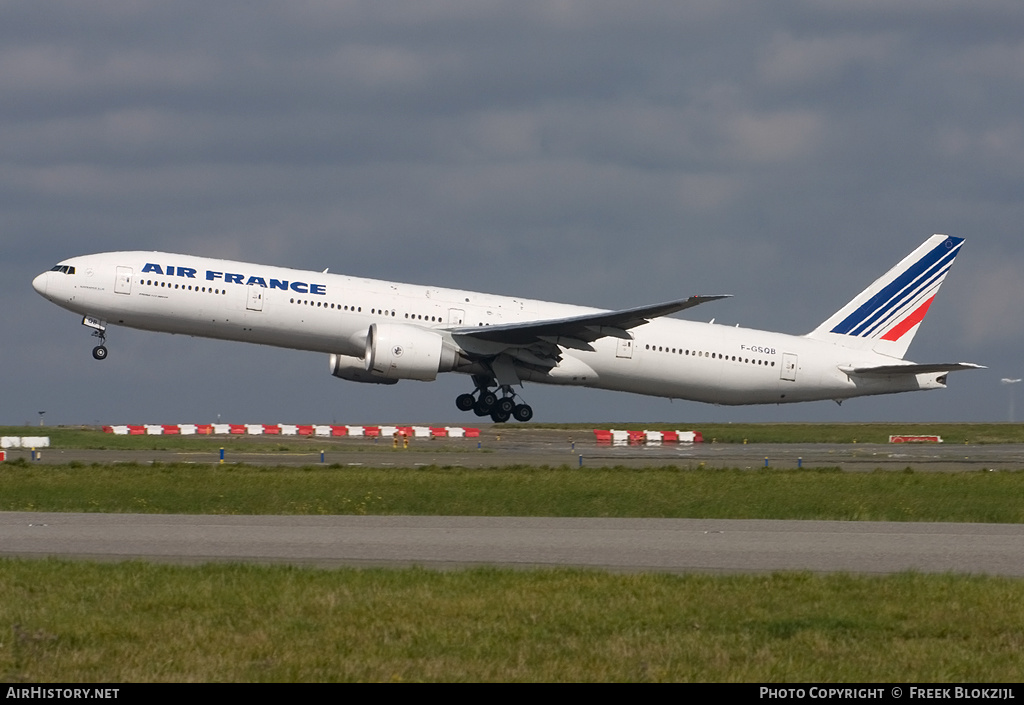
column 885, row 316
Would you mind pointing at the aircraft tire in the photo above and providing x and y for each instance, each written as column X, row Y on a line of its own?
column 479, row 410
column 100, row 352
column 465, row 402
column 506, row 405
column 522, row 412
column 499, row 416
column 487, row 399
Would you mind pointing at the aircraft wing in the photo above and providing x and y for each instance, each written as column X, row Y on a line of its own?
column 585, row 328
column 912, row 369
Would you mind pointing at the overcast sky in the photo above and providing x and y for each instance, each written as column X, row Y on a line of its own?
column 601, row 153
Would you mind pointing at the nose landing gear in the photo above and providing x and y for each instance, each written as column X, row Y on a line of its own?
column 99, row 331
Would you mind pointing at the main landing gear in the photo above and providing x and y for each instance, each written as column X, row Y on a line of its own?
column 487, row 403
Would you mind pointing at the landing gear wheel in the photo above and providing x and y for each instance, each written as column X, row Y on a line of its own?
column 522, row 412
column 465, row 402
column 100, row 352
column 499, row 416
column 487, row 400
column 506, row 405
column 479, row 410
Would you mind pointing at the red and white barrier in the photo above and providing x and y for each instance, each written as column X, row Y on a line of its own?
column 25, row 442
column 317, row 430
column 614, row 437
column 915, row 439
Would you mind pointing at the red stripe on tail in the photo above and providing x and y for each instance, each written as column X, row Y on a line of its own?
column 909, row 322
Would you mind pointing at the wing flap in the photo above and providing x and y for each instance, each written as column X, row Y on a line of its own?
column 585, row 328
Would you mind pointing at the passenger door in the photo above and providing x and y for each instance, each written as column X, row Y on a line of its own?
column 255, row 302
column 789, row 367
column 624, row 348
column 123, row 280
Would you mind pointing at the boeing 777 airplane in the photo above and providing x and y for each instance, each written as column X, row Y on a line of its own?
column 381, row 332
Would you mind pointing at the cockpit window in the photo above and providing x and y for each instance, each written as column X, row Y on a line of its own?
column 63, row 268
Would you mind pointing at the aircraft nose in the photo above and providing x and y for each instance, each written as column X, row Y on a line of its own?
column 39, row 283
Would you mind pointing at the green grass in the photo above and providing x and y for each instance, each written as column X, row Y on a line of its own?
column 131, row 622
column 516, row 491
column 66, row 621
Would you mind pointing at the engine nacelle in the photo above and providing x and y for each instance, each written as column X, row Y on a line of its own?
column 354, row 370
column 396, row 351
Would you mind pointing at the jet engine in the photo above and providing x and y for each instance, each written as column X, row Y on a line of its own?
column 395, row 351
column 354, row 370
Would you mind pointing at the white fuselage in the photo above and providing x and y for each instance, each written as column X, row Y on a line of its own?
column 332, row 313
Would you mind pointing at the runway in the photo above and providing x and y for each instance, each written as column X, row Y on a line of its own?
column 662, row 545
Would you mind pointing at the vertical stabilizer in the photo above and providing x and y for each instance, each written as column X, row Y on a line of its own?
column 885, row 316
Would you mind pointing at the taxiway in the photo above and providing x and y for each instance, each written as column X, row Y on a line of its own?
column 667, row 545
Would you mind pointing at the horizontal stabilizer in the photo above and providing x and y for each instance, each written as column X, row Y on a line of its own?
column 911, row 369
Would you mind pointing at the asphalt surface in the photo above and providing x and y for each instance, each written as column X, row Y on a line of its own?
column 665, row 545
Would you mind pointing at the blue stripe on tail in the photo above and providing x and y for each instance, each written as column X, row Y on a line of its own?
column 918, row 277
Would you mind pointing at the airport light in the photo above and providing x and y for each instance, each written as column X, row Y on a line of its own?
column 1009, row 383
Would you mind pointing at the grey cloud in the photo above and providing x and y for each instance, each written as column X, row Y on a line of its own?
column 593, row 152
